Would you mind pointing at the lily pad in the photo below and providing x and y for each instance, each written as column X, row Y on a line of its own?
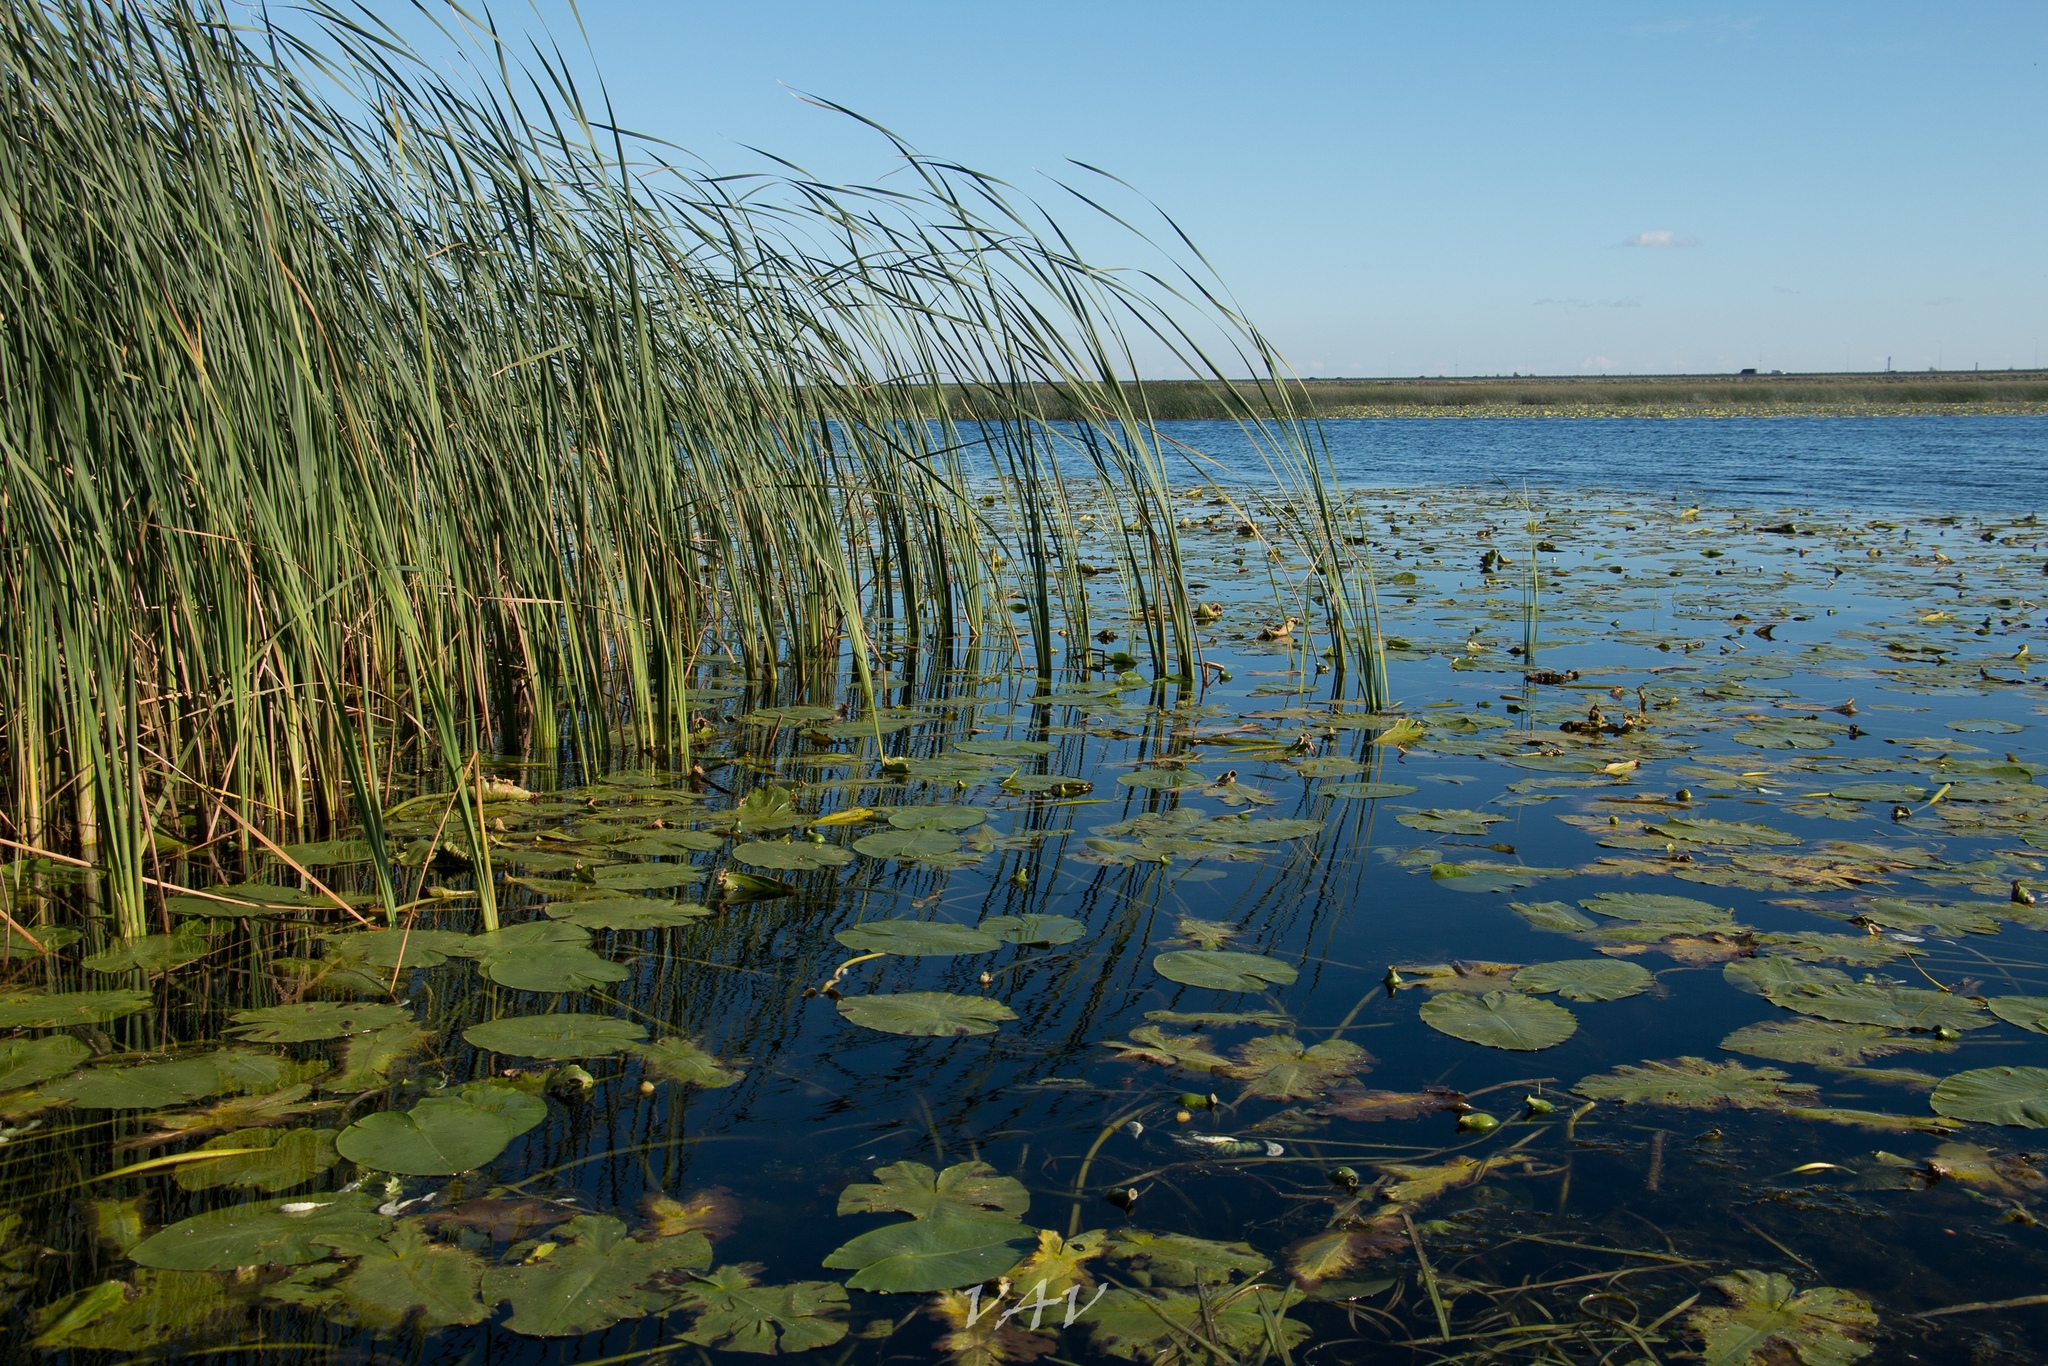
column 1892, row 1007
column 1004, row 749
column 1500, row 1019
column 627, row 913
column 934, row 1014
column 1766, row 1323
column 443, row 1135
column 61, row 1009
column 1280, row 1067
column 595, row 1277
column 1762, row 976
column 1163, row 779
column 24, row 1062
column 260, row 1235
column 1943, row 918
column 923, row 1255
column 409, row 1277
column 554, row 1036
column 2028, row 1012
column 2015, row 1096
column 153, row 953
column 1696, row 1084
column 1703, row 831
column 157, row 1086
column 1223, row 970
column 283, row 1158
column 791, row 855
column 1487, row 877
column 953, row 818
column 1559, row 917
column 682, row 1060
column 922, row 938
column 908, row 845
column 1033, row 929
column 1678, row 912
column 1449, row 821
column 740, row 1316
column 1368, row 791
column 1586, row 979
column 1827, row 1043
column 390, row 949
column 646, row 877
column 1986, row 727
column 309, row 1021
column 965, row 1190
column 369, row 1060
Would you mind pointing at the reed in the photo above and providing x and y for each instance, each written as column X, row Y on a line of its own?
column 360, row 424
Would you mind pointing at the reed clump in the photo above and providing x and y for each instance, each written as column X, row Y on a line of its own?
column 358, row 423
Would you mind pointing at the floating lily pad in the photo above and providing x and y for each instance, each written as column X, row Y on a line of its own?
column 925, row 938
column 554, row 1036
column 682, row 1060
column 1163, row 779
column 260, row 1235
column 283, row 1158
column 953, row 818
column 60, row 1009
column 2028, row 1012
column 627, row 913
column 2015, row 1096
column 1702, row 831
column 331, row 853
column 1559, row 917
column 1500, row 1019
column 1696, row 1084
column 410, row 1278
column 595, row 1277
column 1678, row 912
column 1986, row 727
column 937, row 1014
column 1004, row 749
column 1766, row 1321
column 922, row 1255
column 1826, row 1043
column 1255, row 829
column 646, row 877
column 1487, row 877
column 390, row 949
column 1149, row 1325
column 443, row 1135
column 965, row 1190
column 542, row 955
column 309, row 1021
column 1368, row 791
column 1879, row 792
column 908, row 845
column 1586, row 979
column 740, row 1316
column 153, row 953
column 1449, row 821
column 1762, row 976
column 1033, row 929
column 1943, row 918
column 24, row 1062
column 370, row 1059
column 1281, row 1067
column 1892, row 1007
column 157, row 1086
column 791, row 855
column 1223, row 970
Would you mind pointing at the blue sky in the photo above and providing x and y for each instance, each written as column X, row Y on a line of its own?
column 1454, row 188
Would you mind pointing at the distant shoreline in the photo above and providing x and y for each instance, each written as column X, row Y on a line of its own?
column 1951, row 393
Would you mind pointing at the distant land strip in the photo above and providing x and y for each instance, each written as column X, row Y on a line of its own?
column 1969, row 393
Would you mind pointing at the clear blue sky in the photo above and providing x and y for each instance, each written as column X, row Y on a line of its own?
column 1455, row 188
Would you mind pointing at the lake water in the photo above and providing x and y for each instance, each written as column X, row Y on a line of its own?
column 1679, row 983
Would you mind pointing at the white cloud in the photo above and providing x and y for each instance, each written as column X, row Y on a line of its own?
column 1660, row 237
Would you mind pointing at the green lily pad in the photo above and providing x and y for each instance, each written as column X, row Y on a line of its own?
column 390, row 949
column 667, row 843
column 791, row 855
column 24, row 1062
column 646, row 877
column 740, row 1316
column 1892, row 1007
column 153, row 953
column 147, row 1311
column 1762, row 976
column 936, row 1014
column 1486, row 877
column 1943, row 918
column 908, row 845
column 926, row 938
column 1765, row 1321
column 1151, row 1325
column 542, row 955
column 1500, row 1019
column 1827, row 1043
column 966, row 1190
column 1280, row 1067
column 409, row 1278
column 1004, row 749
column 369, row 1060
column 2015, row 1096
column 285, row 1158
column 445, row 1134
column 1879, row 792
column 1368, row 791
column 331, row 853
column 1558, row 917
column 1223, row 970
column 683, row 1061
column 2028, row 1012
column 1678, row 912
column 1986, row 727
column 922, row 1255
column 1163, row 779
column 626, row 913
column 1586, row 979
column 595, row 1277
column 1696, row 1084
column 61, row 1009
column 554, row 1036
column 157, row 1086
column 1033, row 929
column 1449, row 821
column 1179, row 1260
column 309, row 1021
column 1256, row 829
column 953, row 818
column 1703, row 831
column 260, row 1235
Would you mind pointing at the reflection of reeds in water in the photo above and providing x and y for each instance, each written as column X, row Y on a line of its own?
column 359, row 423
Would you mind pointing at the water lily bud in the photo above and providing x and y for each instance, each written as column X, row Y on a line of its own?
column 1345, row 1178
column 1948, row 1033
column 1190, row 1101
column 1181, row 1116
column 1684, row 794
column 1537, row 1105
column 646, row 1088
column 1123, row 1199
column 1478, row 1122
column 1900, row 813
column 987, row 979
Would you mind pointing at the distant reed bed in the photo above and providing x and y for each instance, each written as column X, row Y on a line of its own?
column 359, row 423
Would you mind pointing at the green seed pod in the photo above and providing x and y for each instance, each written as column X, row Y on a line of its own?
column 1537, row 1105
column 1478, row 1122
column 1345, row 1178
column 1190, row 1101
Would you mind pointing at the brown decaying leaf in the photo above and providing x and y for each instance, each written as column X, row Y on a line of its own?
column 238, row 1112
column 1475, row 977
column 502, row 1221
column 1335, row 1251
column 1355, row 1102
column 989, row 1340
column 712, row 1211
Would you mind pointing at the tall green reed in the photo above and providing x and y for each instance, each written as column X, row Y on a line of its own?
column 358, row 423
